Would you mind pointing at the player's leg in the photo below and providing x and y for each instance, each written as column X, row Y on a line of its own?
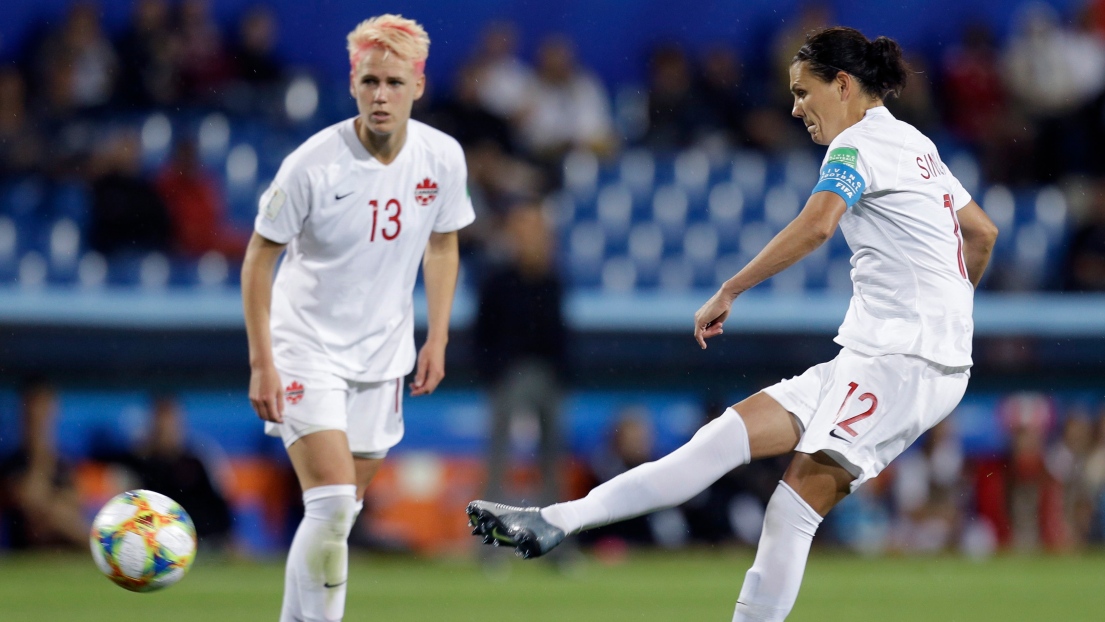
column 756, row 427
column 812, row 486
column 317, row 564
column 868, row 410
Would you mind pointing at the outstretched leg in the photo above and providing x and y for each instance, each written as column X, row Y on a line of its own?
column 813, row 484
column 755, row 428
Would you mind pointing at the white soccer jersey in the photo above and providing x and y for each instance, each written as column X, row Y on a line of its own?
column 356, row 231
column 911, row 294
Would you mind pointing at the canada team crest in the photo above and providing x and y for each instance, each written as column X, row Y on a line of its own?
column 425, row 192
column 293, row 393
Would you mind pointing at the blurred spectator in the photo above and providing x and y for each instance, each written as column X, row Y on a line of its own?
column 465, row 117
column 164, row 462
column 520, row 335
column 568, row 107
column 127, row 212
column 812, row 15
column 150, row 54
column 196, row 207
column 255, row 51
column 505, row 83
column 1034, row 497
column 204, row 64
column 917, row 105
column 497, row 177
column 80, row 45
column 631, row 443
column 39, row 505
column 1085, row 262
column 675, row 108
column 1051, row 74
column 976, row 107
column 21, row 144
column 1066, row 462
column 1094, row 477
column 927, row 487
column 721, row 84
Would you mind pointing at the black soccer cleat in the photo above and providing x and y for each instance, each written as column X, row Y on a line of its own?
column 523, row 528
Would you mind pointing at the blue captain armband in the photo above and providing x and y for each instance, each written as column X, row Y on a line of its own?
column 841, row 179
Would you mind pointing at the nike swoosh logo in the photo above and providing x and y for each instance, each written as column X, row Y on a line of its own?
column 833, row 433
column 342, row 196
column 327, row 585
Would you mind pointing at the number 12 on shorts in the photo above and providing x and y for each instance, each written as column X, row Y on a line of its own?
column 847, row 424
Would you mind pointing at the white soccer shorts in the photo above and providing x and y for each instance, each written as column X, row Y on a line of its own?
column 370, row 413
column 863, row 411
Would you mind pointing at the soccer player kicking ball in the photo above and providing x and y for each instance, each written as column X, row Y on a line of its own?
column 355, row 208
column 920, row 246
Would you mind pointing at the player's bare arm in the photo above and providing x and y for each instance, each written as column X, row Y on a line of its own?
column 979, row 234
column 266, row 392
column 440, row 264
column 810, row 229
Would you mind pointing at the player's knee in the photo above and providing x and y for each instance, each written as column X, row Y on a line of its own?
column 819, row 480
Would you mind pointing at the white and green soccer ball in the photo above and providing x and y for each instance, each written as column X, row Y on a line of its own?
column 143, row 541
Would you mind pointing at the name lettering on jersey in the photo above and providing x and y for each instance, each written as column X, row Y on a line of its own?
column 275, row 202
column 931, row 166
column 425, row 192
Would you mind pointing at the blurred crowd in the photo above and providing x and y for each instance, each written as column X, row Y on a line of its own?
column 1030, row 108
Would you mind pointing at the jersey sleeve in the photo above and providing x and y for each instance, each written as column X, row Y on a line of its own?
column 283, row 208
column 456, row 207
column 844, row 172
column 960, row 196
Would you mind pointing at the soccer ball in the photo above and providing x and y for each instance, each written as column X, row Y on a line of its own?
column 143, row 541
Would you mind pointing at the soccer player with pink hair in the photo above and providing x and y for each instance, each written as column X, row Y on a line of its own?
column 354, row 210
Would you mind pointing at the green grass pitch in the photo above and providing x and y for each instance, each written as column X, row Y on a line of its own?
column 700, row 585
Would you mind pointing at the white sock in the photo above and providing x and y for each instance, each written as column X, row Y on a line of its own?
column 319, row 556
column 771, row 585
column 717, row 448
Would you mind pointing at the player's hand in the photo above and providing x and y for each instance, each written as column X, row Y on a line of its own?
column 709, row 319
column 266, row 393
column 430, row 370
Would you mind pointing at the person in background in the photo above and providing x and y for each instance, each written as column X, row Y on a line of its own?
column 196, row 207
column 254, row 53
column 505, row 83
column 128, row 215
column 39, row 505
column 21, row 144
column 520, row 335
column 1085, row 261
column 568, row 107
column 149, row 55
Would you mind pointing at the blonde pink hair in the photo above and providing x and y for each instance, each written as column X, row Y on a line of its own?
column 394, row 34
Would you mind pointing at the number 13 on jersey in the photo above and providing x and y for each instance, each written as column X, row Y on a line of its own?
column 387, row 222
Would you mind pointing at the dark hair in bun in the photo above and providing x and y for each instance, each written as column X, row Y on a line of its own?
column 877, row 65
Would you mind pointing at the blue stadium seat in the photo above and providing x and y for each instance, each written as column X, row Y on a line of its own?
column 692, row 172
column 619, row 275
column 669, row 209
column 581, row 173
column 676, row 274
column 614, row 209
column 70, row 200
column 637, row 170
column 749, row 173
